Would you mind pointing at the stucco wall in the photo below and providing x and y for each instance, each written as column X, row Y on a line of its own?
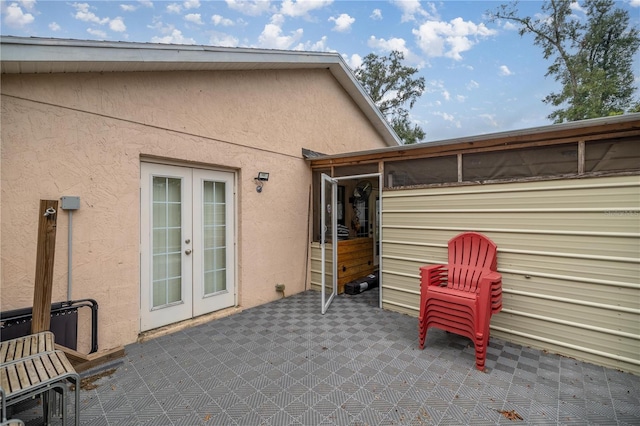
column 85, row 135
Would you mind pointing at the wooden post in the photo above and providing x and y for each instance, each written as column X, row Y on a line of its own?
column 44, row 266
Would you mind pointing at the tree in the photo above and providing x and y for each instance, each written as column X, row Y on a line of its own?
column 392, row 87
column 592, row 59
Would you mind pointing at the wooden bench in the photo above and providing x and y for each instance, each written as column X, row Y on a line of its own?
column 23, row 347
column 30, row 366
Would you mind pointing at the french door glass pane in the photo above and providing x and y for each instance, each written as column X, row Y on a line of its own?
column 214, row 229
column 167, row 237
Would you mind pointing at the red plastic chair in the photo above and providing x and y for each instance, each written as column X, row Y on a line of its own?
column 460, row 297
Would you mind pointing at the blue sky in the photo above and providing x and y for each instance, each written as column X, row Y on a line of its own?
column 481, row 77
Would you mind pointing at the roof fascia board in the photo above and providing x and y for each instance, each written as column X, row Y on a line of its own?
column 576, row 130
column 15, row 50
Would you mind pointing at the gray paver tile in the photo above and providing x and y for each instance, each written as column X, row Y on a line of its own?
column 284, row 363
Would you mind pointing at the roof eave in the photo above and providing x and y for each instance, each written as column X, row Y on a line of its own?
column 553, row 132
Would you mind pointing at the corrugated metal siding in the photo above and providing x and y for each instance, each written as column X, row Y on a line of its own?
column 569, row 254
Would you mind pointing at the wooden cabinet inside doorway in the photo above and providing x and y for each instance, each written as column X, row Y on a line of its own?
column 355, row 260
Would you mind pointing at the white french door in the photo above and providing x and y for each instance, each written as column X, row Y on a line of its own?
column 187, row 250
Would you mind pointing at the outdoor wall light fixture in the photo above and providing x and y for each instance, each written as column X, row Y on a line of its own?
column 260, row 179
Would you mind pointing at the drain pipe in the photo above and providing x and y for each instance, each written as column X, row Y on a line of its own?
column 70, row 204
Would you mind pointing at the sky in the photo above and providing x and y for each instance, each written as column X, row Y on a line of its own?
column 481, row 76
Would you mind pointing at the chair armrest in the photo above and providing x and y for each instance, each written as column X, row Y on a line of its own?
column 433, row 275
column 487, row 284
column 492, row 277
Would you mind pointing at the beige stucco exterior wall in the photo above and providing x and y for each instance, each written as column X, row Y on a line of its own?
column 85, row 135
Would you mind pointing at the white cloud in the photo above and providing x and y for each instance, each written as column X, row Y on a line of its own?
column 250, row 7
column 97, row 33
column 448, row 117
column 510, row 26
column 472, row 85
column 297, row 8
column 412, row 9
column 175, row 37
column 449, row 39
column 318, row 46
column 84, row 14
column 220, row 20
column 575, row 6
column 461, row 98
column 28, row 4
column 376, row 15
column 398, row 44
column 634, row 3
column 490, row 119
column 174, row 8
column 195, row 18
column 437, row 86
column 117, row 25
column 192, row 4
column 146, row 3
column 224, row 40
column 272, row 38
column 128, row 7
column 54, row 26
column 355, row 61
column 15, row 17
column 505, row 71
column 343, row 23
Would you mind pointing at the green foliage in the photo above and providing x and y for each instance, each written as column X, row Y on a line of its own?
column 592, row 59
column 392, row 87
column 405, row 131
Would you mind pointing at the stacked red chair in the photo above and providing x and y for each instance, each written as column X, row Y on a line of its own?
column 461, row 296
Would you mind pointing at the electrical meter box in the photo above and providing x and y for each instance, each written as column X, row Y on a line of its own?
column 70, row 203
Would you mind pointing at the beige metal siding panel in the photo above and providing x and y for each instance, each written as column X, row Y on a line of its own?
column 601, row 348
column 542, row 197
column 623, row 299
column 569, row 252
column 573, row 268
column 406, row 286
column 575, row 245
column 596, row 318
column 524, row 221
column 400, row 301
column 316, row 266
column 405, row 266
column 433, row 238
column 627, row 183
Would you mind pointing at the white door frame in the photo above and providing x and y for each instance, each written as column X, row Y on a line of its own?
column 334, row 225
column 191, row 243
column 333, row 208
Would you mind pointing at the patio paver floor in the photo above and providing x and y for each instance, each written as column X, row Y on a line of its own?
column 283, row 363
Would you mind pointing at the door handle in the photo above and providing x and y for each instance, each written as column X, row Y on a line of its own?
column 187, row 251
